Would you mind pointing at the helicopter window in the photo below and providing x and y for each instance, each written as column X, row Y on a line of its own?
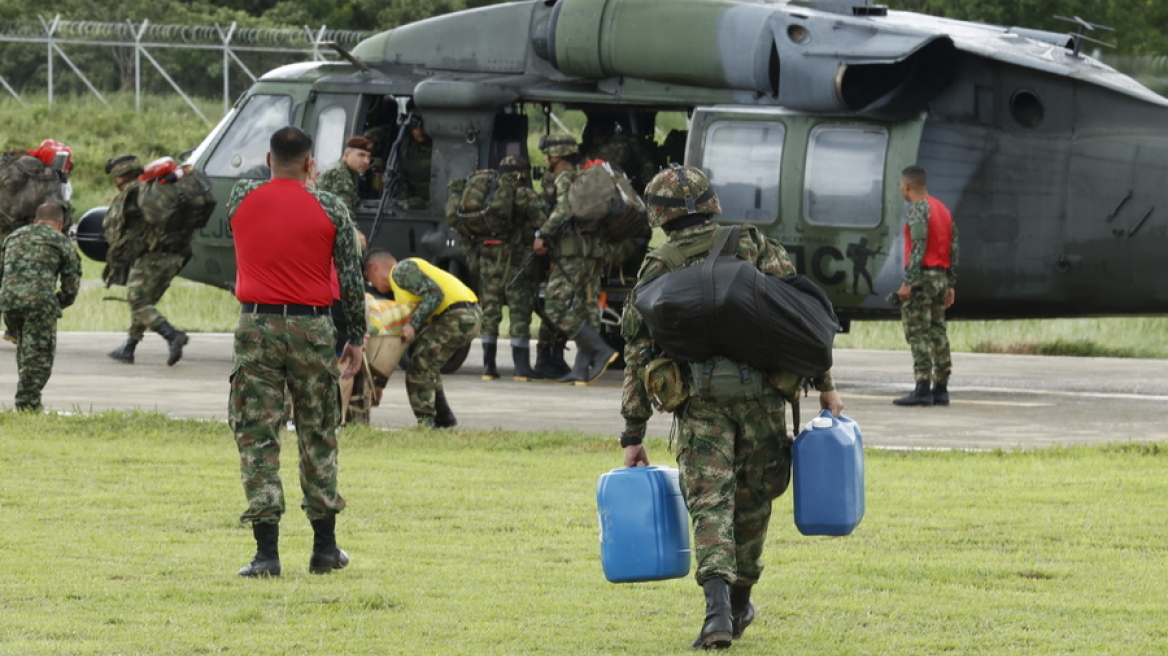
column 845, row 175
column 330, row 135
column 1027, row 109
column 743, row 161
column 242, row 152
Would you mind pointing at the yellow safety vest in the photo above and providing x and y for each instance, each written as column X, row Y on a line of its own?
column 453, row 290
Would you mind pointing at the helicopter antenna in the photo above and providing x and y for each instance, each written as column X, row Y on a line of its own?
column 1081, row 35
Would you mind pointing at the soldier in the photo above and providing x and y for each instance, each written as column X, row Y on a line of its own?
column 32, row 259
column 447, row 318
column 573, row 290
column 498, row 261
column 607, row 141
column 153, row 258
column 415, row 165
column 734, row 456
column 930, row 263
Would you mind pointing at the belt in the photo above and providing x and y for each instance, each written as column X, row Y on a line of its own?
column 936, row 268
column 293, row 310
column 461, row 305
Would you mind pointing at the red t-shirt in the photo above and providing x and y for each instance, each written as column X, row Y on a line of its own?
column 939, row 244
column 283, row 247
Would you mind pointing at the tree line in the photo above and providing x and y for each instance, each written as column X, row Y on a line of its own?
column 1140, row 29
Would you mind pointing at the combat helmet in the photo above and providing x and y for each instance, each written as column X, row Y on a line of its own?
column 515, row 164
column 558, row 144
column 680, row 191
column 123, row 165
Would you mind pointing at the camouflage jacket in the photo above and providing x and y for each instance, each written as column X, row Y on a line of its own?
column 410, row 277
column 768, row 256
column 918, row 227
column 339, row 180
column 627, row 152
column 32, row 258
column 529, row 215
column 346, row 251
column 569, row 241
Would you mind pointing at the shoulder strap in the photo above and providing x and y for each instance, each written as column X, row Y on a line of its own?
column 725, row 235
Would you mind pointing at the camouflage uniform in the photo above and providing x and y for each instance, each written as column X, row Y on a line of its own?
column 573, row 289
column 436, row 340
column 274, row 352
column 414, row 167
column 31, row 260
column 734, row 458
column 498, row 263
column 923, row 314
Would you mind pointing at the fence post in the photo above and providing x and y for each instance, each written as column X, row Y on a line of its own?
column 50, row 29
column 138, row 62
column 226, row 63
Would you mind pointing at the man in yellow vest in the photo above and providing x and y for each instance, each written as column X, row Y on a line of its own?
column 447, row 318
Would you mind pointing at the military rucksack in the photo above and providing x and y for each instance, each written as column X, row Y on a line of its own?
column 177, row 208
column 481, row 205
column 25, row 183
column 604, row 202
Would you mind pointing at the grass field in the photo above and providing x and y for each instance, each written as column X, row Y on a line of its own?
column 121, row 537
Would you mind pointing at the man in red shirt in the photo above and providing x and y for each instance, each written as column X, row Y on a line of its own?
column 930, row 263
column 290, row 242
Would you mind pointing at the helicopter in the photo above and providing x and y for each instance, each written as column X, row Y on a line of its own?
column 803, row 115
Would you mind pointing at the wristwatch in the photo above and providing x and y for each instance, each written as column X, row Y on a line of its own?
column 626, row 440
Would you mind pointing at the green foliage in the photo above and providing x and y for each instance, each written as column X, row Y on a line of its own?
column 485, row 543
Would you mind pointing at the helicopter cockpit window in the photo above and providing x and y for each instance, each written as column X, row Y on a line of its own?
column 844, row 183
column 743, row 160
column 330, row 136
column 242, row 152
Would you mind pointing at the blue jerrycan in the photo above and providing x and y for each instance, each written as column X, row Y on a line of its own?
column 828, row 471
column 644, row 526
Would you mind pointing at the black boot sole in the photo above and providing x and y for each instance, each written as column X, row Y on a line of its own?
column 716, row 640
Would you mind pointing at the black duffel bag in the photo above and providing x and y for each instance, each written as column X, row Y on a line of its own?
column 724, row 306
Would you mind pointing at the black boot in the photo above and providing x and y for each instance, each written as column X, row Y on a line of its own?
column 521, row 355
column 125, row 352
column 593, row 355
column 267, row 559
column 920, row 396
column 558, row 365
column 543, row 369
column 717, row 632
column 490, row 371
column 741, row 609
column 443, row 415
column 326, row 556
column 177, row 340
column 940, row 394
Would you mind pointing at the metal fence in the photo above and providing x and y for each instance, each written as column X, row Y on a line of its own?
column 144, row 36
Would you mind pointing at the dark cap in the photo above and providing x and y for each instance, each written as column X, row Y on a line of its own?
column 360, row 143
column 123, row 165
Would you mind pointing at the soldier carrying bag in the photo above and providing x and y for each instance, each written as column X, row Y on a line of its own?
column 604, row 202
column 478, row 208
column 25, row 183
column 724, row 306
column 177, row 204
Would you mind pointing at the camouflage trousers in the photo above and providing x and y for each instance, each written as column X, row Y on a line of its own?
column 734, row 461
column 923, row 315
column 432, row 348
column 573, row 291
column 36, row 331
column 497, row 267
column 271, row 352
column 148, row 280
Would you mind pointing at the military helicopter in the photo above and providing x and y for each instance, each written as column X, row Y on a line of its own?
column 803, row 114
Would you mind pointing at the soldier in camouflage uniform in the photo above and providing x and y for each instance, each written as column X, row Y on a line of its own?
column 930, row 273
column 573, row 289
column 32, row 258
column 291, row 241
column 446, row 318
column 734, row 457
column 157, row 259
column 503, row 280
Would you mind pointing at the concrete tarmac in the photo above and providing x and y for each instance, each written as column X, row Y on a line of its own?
column 999, row 401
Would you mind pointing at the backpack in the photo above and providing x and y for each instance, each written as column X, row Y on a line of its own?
column 478, row 208
column 25, row 183
column 725, row 307
column 604, row 202
column 177, row 208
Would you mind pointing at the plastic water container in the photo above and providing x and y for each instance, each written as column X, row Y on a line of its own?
column 644, row 526
column 828, row 472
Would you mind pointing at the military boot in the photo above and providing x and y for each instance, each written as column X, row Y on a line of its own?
column 177, row 340
column 443, row 415
column 326, row 555
column 543, row 369
column 267, row 559
column 490, row 349
column 919, row 396
column 521, row 355
column 125, row 352
column 741, row 609
column 717, row 631
column 940, row 394
column 593, row 355
column 557, row 362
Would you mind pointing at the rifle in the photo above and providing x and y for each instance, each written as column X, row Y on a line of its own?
column 391, row 178
column 537, row 304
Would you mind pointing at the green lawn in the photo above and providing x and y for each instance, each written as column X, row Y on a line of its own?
column 121, row 537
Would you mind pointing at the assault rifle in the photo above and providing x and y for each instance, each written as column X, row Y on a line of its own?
column 535, row 260
column 391, row 178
